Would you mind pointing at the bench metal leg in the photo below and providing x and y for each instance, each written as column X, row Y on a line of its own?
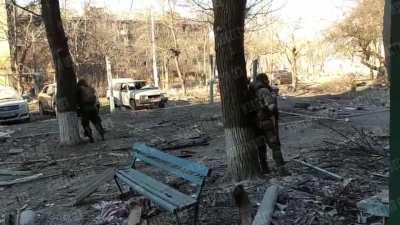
column 196, row 213
column 178, row 221
column 118, row 185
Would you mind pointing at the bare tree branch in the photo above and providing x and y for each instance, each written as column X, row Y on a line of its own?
column 24, row 8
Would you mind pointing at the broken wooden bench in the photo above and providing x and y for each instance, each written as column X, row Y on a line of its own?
column 161, row 194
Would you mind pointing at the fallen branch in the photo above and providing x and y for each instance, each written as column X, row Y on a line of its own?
column 266, row 209
column 330, row 174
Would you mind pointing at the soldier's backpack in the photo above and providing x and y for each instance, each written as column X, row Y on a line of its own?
column 87, row 95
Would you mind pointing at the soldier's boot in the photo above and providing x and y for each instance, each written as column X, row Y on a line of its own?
column 280, row 162
column 100, row 129
column 88, row 133
column 262, row 157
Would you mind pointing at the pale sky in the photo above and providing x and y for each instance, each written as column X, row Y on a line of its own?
column 313, row 16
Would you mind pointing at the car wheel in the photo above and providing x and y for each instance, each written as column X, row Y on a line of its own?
column 132, row 103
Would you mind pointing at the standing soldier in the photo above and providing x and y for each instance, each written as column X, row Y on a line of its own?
column 267, row 128
column 88, row 109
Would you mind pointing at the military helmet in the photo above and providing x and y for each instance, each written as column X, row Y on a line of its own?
column 263, row 78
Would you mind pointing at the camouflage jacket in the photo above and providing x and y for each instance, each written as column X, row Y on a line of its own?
column 267, row 111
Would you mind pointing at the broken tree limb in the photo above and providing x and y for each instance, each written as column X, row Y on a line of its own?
column 330, row 174
column 182, row 143
column 21, row 180
column 94, row 184
column 241, row 200
column 266, row 209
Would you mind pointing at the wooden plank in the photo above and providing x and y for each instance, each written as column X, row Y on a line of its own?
column 149, row 194
column 94, row 184
column 161, row 190
column 194, row 178
column 21, row 180
column 266, row 209
column 15, row 172
column 182, row 163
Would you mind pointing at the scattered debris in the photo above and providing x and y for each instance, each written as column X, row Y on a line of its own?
column 377, row 205
column 135, row 216
column 302, row 105
column 111, row 212
column 181, row 143
column 15, row 151
column 27, row 217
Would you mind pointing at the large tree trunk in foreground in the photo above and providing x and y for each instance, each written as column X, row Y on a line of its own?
column 65, row 73
column 229, row 46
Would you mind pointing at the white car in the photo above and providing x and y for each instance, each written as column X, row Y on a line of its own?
column 136, row 93
column 12, row 106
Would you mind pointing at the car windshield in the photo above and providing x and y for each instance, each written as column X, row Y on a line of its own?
column 8, row 93
column 136, row 85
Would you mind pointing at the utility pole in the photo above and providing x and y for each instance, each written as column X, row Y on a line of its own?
column 110, row 85
column 153, row 43
column 212, row 77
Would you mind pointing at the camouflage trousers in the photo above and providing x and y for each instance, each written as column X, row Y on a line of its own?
column 270, row 138
column 89, row 113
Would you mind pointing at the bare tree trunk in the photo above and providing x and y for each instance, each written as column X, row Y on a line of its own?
column 11, row 33
column 294, row 76
column 176, row 51
column 240, row 138
column 386, row 34
column 65, row 73
column 11, row 11
column 166, row 73
column 180, row 75
column 205, row 58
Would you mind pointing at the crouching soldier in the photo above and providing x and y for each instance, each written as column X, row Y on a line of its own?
column 267, row 128
column 88, row 109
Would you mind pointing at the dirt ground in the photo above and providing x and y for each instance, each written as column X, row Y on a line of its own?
column 347, row 134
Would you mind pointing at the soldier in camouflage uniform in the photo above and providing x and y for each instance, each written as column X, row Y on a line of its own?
column 267, row 128
column 88, row 109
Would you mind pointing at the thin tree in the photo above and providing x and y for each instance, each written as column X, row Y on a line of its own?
column 229, row 17
column 65, row 73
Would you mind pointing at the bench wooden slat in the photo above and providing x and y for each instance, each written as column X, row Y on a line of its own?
column 162, row 191
column 195, row 178
column 139, row 188
column 184, row 164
